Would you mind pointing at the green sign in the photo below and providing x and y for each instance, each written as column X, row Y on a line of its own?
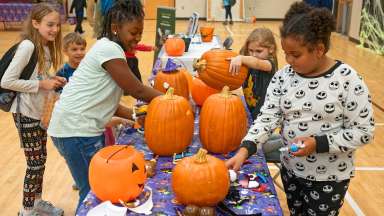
column 165, row 25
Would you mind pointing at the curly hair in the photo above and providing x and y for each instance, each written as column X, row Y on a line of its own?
column 309, row 24
column 121, row 11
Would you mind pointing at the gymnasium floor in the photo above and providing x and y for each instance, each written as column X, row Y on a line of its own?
column 366, row 191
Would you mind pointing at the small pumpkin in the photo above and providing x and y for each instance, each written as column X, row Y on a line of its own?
column 191, row 210
column 150, row 166
column 201, row 91
column 207, row 211
column 206, row 33
column 213, row 69
column 117, row 173
column 223, row 122
column 200, row 180
column 174, row 46
column 175, row 79
column 169, row 124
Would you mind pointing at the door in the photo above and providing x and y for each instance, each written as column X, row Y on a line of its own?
column 150, row 7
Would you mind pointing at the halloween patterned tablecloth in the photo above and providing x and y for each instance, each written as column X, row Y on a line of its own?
column 254, row 202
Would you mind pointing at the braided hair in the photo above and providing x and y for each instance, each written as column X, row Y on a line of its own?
column 308, row 24
column 121, row 11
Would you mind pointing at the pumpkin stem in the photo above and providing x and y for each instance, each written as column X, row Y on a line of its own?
column 225, row 92
column 200, row 65
column 169, row 94
column 201, row 156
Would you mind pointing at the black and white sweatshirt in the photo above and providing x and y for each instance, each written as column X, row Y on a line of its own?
column 335, row 108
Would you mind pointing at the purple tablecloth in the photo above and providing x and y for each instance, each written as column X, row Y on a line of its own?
column 259, row 203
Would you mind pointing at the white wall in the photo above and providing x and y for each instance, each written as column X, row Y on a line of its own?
column 218, row 13
column 354, row 27
column 185, row 8
column 267, row 9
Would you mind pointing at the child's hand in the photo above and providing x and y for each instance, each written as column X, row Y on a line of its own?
column 236, row 161
column 62, row 80
column 235, row 65
column 117, row 121
column 309, row 146
column 50, row 84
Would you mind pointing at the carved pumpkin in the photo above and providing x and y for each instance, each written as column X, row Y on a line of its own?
column 169, row 124
column 223, row 122
column 201, row 91
column 206, row 33
column 174, row 46
column 200, row 180
column 175, row 79
column 213, row 69
column 117, row 173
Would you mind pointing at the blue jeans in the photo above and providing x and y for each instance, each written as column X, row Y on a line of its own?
column 78, row 152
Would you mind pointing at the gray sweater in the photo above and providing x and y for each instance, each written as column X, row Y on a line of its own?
column 335, row 108
column 31, row 97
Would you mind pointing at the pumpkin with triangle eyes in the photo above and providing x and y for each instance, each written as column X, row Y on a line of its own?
column 117, row 173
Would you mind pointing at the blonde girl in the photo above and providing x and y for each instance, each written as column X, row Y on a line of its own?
column 259, row 54
column 42, row 34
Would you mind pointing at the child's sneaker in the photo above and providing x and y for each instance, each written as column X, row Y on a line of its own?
column 45, row 207
column 74, row 187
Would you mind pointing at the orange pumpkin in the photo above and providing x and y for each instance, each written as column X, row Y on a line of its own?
column 206, row 33
column 223, row 122
column 201, row 91
column 200, row 180
column 117, row 173
column 213, row 69
column 176, row 79
column 189, row 78
column 169, row 124
column 174, row 46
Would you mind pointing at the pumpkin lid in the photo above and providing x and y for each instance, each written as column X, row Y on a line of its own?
column 117, row 153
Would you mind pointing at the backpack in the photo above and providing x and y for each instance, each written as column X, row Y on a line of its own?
column 232, row 2
column 7, row 96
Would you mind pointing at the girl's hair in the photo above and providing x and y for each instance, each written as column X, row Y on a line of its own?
column 37, row 13
column 121, row 11
column 311, row 25
column 265, row 38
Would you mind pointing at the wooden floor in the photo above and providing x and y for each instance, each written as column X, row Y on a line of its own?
column 366, row 189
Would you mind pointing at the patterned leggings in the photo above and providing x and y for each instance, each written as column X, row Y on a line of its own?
column 33, row 141
column 313, row 198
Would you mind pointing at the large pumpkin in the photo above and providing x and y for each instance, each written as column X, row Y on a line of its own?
column 169, row 124
column 201, row 91
column 189, row 78
column 175, row 79
column 223, row 122
column 174, row 46
column 201, row 180
column 213, row 69
column 117, row 173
